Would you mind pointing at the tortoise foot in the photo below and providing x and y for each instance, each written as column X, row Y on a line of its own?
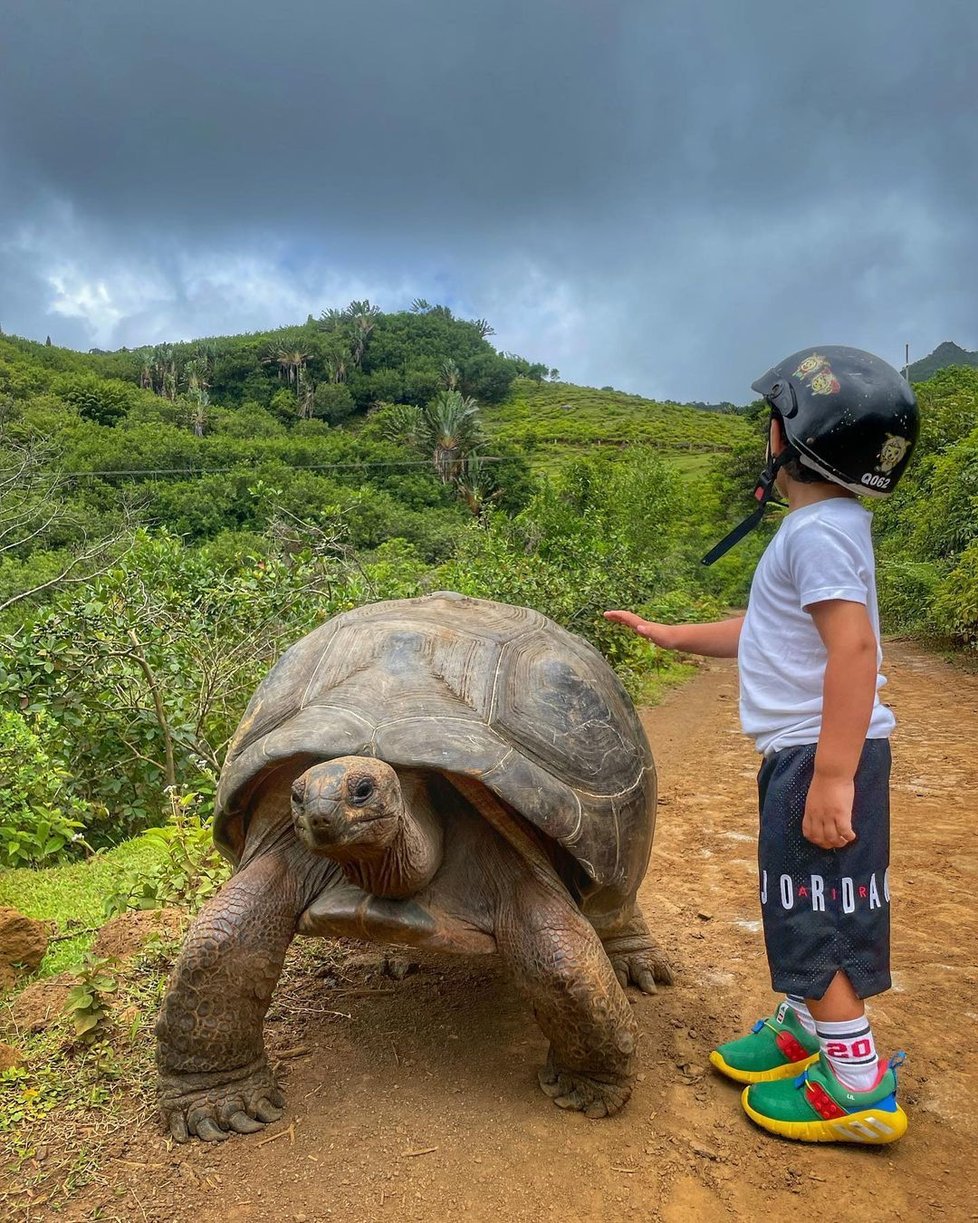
column 214, row 1105
column 643, row 969
column 594, row 1096
column 635, row 956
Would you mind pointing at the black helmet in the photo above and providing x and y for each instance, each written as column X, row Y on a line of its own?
column 849, row 416
column 846, row 414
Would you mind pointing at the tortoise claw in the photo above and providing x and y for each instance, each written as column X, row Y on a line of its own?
column 209, row 1131
column 241, row 1123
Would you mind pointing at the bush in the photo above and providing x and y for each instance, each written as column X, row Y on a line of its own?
column 956, row 602
column 40, row 819
column 906, row 594
column 189, row 869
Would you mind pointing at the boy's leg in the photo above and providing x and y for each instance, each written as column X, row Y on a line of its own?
column 845, row 1036
column 785, row 1043
column 826, row 925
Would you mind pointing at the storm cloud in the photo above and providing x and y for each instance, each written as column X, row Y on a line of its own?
column 665, row 197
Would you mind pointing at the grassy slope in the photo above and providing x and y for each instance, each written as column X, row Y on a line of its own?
column 554, row 421
column 73, row 895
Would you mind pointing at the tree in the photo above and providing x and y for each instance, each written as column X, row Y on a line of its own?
column 195, row 372
column 34, row 510
column 447, row 431
column 450, row 374
column 362, row 318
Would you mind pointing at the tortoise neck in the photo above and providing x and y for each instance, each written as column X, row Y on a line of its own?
column 410, row 859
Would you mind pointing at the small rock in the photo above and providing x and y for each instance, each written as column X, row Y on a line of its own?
column 704, row 916
column 23, row 941
column 398, row 968
column 703, row 1152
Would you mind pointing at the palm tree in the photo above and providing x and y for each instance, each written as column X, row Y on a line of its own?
column 305, row 391
column 195, row 372
column 450, row 374
column 450, row 431
column 403, row 424
column 475, row 485
column 290, row 362
column 362, row 318
column 420, row 306
column 331, row 320
column 483, row 327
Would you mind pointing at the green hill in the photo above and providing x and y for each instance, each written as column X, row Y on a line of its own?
column 552, row 421
column 943, row 356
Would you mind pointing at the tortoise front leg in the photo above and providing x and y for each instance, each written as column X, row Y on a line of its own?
column 559, row 964
column 213, row 1074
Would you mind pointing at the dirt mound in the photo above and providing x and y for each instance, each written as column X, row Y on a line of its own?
column 39, row 1004
column 127, row 934
column 23, row 943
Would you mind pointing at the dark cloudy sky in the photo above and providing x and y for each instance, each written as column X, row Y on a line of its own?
column 666, row 197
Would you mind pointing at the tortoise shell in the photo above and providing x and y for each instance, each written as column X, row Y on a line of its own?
column 467, row 686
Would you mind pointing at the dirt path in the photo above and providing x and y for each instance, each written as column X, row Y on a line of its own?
column 416, row 1099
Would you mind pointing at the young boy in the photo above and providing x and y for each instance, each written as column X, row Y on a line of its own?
column 843, row 424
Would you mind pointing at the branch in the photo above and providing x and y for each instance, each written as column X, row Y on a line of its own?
column 140, row 659
column 68, row 577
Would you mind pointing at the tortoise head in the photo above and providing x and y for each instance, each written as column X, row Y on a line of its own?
column 347, row 808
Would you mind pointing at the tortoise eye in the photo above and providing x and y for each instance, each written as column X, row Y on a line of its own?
column 361, row 790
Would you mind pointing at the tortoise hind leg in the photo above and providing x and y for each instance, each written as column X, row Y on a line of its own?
column 559, row 964
column 635, row 956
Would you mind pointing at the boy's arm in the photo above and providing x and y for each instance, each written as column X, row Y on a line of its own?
column 848, row 693
column 717, row 640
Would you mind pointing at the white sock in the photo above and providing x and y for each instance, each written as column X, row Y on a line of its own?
column 850, row 1050
column 802, row 1013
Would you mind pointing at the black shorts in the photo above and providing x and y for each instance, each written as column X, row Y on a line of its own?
column 825, row 910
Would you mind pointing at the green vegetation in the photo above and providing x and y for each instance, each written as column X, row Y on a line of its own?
column 551, row 422
column 944, row 356
column 173, row 518
column 176, row 517
column 73, row 895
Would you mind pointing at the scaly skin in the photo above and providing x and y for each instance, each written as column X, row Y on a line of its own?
column 214, row 1077
column 558, row 963
column 635, row 956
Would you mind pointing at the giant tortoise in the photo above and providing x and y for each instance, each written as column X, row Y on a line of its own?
column 442, row 772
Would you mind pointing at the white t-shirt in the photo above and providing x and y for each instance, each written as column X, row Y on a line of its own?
column 820, row 551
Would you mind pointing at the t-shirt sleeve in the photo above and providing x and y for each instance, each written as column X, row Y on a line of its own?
column 825, row 563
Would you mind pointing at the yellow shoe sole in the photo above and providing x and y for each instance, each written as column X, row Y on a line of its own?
column 790, row 1070
column 871, row 1127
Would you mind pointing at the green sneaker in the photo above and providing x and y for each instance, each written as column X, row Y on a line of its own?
column 775, row 1048
column 816, row 1107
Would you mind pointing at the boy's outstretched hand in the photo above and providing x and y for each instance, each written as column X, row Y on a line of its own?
column 662, row 635
column 828, row 813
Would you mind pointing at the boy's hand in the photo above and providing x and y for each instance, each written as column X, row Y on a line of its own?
column 828, row 813
column 662, row 635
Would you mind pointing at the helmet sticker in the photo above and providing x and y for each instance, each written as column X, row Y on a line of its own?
column 810, row 365
column 825, row 382
column 816, row 371
column 894, row 448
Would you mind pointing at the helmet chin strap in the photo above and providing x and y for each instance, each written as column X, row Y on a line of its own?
column 764, row 493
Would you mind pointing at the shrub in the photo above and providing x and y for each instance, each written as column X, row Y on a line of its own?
column 40, row 819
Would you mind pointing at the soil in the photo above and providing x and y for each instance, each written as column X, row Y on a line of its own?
column 411, row 1082
column 125, row 935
